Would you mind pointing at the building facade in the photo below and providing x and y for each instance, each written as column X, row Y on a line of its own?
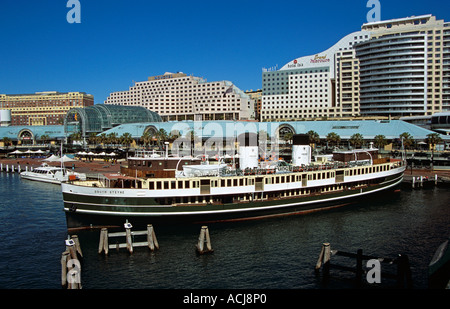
column 324, row 85
column 43, row 108
column 177, row 96
column 405, row 67
column 256, row 96
column 392, row 68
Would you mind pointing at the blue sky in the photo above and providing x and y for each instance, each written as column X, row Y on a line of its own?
column 118, row 41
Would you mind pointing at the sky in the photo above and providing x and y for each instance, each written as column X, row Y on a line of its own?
column 119, row 42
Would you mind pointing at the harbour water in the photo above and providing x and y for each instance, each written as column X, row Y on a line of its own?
column 277, row 253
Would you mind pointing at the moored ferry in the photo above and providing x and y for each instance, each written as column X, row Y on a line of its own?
column 155, row 188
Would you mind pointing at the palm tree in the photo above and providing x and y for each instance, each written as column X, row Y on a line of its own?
column 380, row 141
column 314, row 137
column 173, row 135
column 333, row 138
column 288, row 137
column 161, row 137
column 44, row 138
column 432, row 140
column 146, row 138
column 408, row 140
column 112, row 138
column 93, row 138
column 356, row 140
column 102, row 138
column 126, row 139
column 75, row 136
column 7, row 141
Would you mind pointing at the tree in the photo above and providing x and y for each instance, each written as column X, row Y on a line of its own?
column 44, row 138
column 173, row 135
column 7, row 141
column 103, row 138
column 161, row 137
column 75, row 136
column 432, row 140
column 380, row 141
column 126, row 139
column 146, row 138
column 288, row 136
column 111, row 138
column 93, row 138
column 356, row 140
column 408, row 140
column 314, row 137
column 333, row 138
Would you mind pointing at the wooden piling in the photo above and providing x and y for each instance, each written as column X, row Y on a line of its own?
column 71, row 267
column 129, row 241
column 64, row 259
column 103, row 243
column 202, row 239
column 77, row 245
column 324, row 258
column 151, row 238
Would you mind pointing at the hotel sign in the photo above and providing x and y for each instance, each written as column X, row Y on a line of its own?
column 320, row 59
column 306, row 62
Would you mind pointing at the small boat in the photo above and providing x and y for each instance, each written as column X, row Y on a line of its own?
column 52, row 174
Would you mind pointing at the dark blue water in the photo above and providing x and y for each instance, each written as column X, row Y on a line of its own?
column 269, row 254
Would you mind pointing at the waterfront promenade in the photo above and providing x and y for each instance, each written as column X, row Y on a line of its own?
column 81, row 166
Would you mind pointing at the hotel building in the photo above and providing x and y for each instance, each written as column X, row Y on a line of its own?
column 42, row 108
column 177, row 96
column 392, row 68
column 405, row 67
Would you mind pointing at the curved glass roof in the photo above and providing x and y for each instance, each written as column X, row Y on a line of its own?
column 101, row 117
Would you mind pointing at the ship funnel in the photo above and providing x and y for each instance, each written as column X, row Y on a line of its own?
column 301, row 150
column 248, row 150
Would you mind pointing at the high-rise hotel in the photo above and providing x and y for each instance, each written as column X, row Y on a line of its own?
column 392, row 68
column 177, row 96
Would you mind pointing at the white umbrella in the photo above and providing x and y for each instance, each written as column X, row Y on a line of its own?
column 66, row 159
column 16, row 152
column 52, row 158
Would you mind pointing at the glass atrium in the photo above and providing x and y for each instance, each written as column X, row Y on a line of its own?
column 100, row 117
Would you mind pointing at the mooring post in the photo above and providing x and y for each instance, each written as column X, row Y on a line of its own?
column 128, row 227
column 77, row 245
column 103, row 243
column 73, row 265
column 324, row 258
column 64, row 259
column 204, row 237
column 151, row 238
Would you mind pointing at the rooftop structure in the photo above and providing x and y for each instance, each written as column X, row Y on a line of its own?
column 100, row 117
